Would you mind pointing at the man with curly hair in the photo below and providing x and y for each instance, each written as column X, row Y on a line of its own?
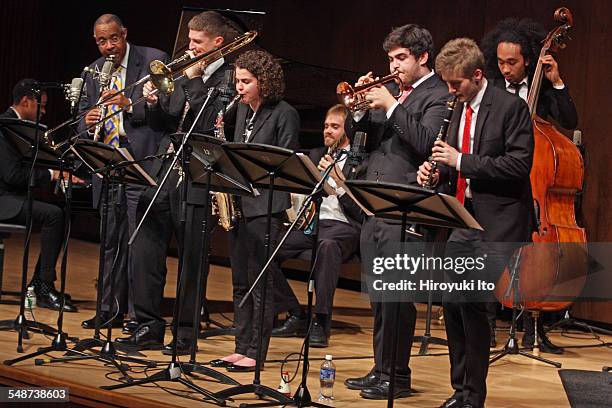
column 511, row 52
column 261, row 117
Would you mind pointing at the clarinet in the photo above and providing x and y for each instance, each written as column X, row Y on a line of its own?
column 450, row 106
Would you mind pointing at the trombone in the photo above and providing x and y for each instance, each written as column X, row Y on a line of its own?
column 163, row 77
column 353, row 97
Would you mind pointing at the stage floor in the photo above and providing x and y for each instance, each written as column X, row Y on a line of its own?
column 513, row 381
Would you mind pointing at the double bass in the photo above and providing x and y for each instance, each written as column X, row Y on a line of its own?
column 552, row 270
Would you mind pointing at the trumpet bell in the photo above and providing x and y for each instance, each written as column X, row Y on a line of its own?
column 161, row 76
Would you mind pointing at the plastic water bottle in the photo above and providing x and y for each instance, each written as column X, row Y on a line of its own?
column 327, row 378
column 30, row 303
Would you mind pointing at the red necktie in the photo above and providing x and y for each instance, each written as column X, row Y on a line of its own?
column 465, row 148
column 405, row 94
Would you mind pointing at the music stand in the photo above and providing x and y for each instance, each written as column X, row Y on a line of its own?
column 59, row 341
column 210, row 166
column 408, row 204
column 23, row 137
column 276, row 169
column 114, row 165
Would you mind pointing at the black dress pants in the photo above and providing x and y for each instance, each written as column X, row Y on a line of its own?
column 50, row 218
column 338, row 241
column 380, row 239
column 248, row 256
column 149, row 252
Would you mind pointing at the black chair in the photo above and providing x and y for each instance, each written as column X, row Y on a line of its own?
column 5, row 231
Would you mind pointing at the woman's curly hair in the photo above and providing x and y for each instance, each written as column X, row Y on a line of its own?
column 268, row 72
column 524, row 32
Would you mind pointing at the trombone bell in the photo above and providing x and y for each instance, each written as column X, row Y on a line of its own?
column 161, row 76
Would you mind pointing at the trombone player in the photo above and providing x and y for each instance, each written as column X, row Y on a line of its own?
column 127, row 129
column 169, row 114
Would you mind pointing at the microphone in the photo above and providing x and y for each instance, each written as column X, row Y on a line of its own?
column 74, row 95
column 357, row 154
column 104, row 76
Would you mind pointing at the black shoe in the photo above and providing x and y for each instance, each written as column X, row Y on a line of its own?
column 452, row 402
column 294, row 326
column 381, row 391
column 468, row 405
column 144, row 338
column 220, row 363
column 183, row 347
column 360, row 383
column 318, row 338
column 104, row 322
column 493, row 341
column 130, row 327
column 233, row 368
column 52, row 299
column 546, row 346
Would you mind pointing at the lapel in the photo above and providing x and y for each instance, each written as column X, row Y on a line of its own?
column 453, row 127
column 262, row 116
column 240, row 122
column 135, row 62
column 483, row 112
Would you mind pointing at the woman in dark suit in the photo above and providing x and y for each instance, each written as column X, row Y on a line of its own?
column 261, row 117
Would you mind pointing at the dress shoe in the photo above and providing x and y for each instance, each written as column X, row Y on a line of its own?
column 130, row 327
column 452, row 402
column 52, row 299
column 183, row 347
column 220, row 363
column 233, row 368
column 468, row 405
column 318, row 337
column 546, row 346
column 144, row 338
column 380, row 391
column 360, row 383
column 294, row 326
column 104, row 318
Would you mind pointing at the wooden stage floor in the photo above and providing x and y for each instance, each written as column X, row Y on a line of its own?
column 514, row 381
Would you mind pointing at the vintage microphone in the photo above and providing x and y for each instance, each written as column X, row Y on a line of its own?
column 357, row 154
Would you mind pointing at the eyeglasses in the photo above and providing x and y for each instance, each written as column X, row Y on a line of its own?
column 115, row 38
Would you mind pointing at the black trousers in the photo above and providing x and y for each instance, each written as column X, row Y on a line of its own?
column 149, row 251
column 377, row 237
column 338, row 241
column 120, row 223
column 248, row 256
column 467, row 322
column 50, row 219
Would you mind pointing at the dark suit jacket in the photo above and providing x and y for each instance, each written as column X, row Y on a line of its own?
column 14, row 176
column 398, row 145
column 346, row 203
column 499, row 166
column 275, row 124
column 143, row 141
column 555, row 104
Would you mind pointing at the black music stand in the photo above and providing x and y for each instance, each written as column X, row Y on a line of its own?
column 59, row 341
column 114, row 165
column 276, row 169
column 408, row 204
column 209, row 165
column 23, row 136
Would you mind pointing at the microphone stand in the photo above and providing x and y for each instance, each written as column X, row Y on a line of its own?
column 175, row 369
column 302, row 396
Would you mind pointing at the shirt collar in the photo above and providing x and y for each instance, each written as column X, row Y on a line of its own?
column 523, row 81
column 16, row 113
column 423, row 79
column 124, row 61
column 475, row 103
column 210, row 69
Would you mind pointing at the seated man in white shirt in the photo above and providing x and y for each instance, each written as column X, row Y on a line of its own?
column 338, row 240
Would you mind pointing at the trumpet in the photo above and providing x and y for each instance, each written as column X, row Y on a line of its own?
column 353, row 97
column 450, row 106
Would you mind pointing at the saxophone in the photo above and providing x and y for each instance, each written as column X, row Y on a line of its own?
column 224, row 204
column 104, row 78
column 450, row 106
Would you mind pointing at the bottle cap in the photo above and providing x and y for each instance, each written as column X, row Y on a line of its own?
column 328, row 357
